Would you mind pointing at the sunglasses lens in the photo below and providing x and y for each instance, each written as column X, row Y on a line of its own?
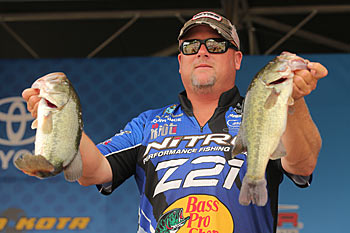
column 190, row 47
column 215, row 46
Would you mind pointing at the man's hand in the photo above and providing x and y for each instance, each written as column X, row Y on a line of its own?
column 31, row 96
column 96, row 168
column 305, row 81
column 302, row 139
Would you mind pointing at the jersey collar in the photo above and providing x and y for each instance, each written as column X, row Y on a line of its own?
column 227, row 99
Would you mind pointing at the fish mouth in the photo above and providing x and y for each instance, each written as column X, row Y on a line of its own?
column 278, row 81
column 182, row 219
column 50, row 104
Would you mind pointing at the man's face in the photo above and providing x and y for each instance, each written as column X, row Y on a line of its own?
column 205, row 72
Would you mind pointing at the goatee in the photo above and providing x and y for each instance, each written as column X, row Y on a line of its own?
column 203, row 87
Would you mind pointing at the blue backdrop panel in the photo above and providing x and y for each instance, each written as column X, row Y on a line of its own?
column 112, row 91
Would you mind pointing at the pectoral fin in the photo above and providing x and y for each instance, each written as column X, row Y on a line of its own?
column 290, row 101
column 238, row 146
column 279, row 152
column 35, row 124
column 46, row 124
column 272, row 99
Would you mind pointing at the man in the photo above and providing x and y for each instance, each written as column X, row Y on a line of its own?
column 181, row 154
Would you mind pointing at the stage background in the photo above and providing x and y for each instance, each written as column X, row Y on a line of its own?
column 113, row 91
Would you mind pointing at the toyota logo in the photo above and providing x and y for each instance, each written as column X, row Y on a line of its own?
column 11, row 117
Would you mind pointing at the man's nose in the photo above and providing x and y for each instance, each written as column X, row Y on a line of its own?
column 202, row 51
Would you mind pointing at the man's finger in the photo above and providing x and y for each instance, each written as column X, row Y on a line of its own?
column 32, row 101
column 27, row 93
column 297, row 93
column 301, row 86
column 35, row 110
column 305, row 75
column 317, row 70
column 304, row 84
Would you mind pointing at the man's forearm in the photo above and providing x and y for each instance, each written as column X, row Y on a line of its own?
column 96, row 169
column 302, row 141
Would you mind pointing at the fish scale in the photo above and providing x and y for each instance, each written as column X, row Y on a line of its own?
column 59, row 129
column 264, row 121
column 263, row 130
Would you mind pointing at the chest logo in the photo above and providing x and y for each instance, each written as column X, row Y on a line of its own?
column 200, row 215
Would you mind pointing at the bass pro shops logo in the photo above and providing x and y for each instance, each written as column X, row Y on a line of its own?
column 14, row 124
column 196, row 214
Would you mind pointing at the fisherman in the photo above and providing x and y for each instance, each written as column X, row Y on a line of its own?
column 198, row 191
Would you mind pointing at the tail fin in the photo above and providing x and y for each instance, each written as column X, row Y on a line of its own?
column 253, row 191
column 35, row 165
column 74, row 170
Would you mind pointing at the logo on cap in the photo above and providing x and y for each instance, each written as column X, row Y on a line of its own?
column 207, row 14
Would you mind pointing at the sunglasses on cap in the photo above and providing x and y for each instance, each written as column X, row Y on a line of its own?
column 213, row 45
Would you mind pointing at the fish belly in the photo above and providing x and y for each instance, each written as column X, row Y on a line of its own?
column 262, row 131
column 56, row 145
column 263, row 128
column 60, row 145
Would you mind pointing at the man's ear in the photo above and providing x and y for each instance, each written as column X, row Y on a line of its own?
column 179, row 60
column 238, row 59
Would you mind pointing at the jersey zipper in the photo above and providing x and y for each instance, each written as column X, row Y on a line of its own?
column 195, row 121
column 202, row 127
column 214, row 115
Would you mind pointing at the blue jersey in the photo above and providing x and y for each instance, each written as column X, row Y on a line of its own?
column 186, row 175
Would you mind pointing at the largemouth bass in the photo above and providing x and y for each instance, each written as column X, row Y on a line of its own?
column 59, row 129
column 171, row 221
column 264, row 121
